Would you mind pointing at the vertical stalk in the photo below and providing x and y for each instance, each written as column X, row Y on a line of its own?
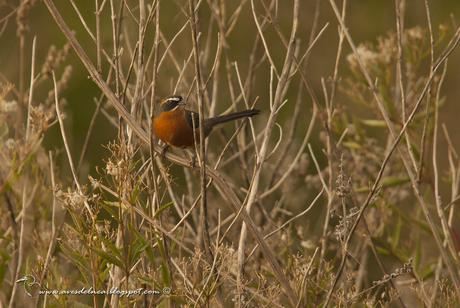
column 203, row 223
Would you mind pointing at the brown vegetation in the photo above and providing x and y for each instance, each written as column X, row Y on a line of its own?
column 342, row 191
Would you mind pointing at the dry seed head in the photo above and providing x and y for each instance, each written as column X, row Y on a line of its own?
column 406, row 268
column 343, row 182
column 74, row 199
column 48, row 66
column 5, row 89
column 54, row 58
column 114, row 169
column 343, row 227
column 415, row 33
column 40, row 118
column 61, row 84
column 8, row 106
column 367, row 56
column 10, row 144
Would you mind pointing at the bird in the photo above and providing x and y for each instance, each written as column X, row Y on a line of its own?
column 178, row 127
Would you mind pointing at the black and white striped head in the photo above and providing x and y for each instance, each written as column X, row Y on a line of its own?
column 171, row 103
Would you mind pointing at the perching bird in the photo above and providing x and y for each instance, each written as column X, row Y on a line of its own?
column 177, row 126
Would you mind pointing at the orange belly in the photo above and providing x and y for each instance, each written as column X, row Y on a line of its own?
column 172, row 128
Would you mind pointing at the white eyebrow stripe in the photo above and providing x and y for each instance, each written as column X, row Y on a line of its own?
column 175, row 99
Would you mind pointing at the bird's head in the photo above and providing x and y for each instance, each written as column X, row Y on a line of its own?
column 171, row 102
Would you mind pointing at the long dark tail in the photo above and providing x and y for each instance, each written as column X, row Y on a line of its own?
column 231, row 117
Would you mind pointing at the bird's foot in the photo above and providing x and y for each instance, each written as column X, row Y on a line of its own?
column 163, row 151
column 192, row 158
column 193, row 161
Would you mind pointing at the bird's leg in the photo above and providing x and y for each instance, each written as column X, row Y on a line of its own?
column 192, row 157
column 164, row 150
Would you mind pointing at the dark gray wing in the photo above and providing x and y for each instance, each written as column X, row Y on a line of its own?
column 193, row 119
